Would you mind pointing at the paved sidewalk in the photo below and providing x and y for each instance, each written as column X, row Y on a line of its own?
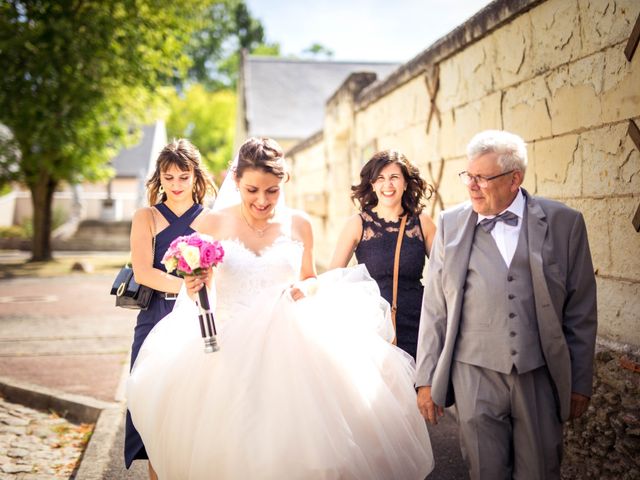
column 64, row 333
column 64, row 336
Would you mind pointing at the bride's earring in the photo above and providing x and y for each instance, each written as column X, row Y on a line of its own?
column 161, row 190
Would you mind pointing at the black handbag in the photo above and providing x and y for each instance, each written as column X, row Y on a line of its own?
column 130, row 294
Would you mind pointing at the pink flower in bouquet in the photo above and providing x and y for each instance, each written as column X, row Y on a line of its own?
column 195, row 240
column 191, row 253
column 173, row 251
column 183, row 266
column 210, row 254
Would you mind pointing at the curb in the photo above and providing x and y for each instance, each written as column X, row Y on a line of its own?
column 75, row 408
column 95, row 460
column 107, row 417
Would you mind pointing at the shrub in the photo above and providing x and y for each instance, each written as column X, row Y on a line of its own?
column 14, row 231
column 25, row 229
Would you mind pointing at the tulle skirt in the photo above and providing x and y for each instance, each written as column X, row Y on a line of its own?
column 298, row 390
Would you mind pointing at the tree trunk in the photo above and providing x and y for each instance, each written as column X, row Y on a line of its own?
column 42, row 199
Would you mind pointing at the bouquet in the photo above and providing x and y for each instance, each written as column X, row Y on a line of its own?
column 189, row 255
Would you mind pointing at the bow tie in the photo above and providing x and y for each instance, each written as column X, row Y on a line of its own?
column 507, row 217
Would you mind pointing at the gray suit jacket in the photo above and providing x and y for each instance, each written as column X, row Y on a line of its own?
column 564, row 289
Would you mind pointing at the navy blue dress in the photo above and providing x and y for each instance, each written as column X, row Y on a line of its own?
column 376, row 250
column 158, row 309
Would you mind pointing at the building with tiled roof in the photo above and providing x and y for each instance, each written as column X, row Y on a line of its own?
column 284, row 98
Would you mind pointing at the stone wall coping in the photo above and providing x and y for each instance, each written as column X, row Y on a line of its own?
column 490, row 18
column 355, row 83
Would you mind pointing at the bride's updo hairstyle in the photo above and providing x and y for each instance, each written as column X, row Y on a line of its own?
column 263, row 154
column 184, row 155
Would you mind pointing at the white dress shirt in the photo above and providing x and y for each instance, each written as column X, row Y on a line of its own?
column 506, row 236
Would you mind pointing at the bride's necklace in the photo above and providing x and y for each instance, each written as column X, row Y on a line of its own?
column 259, row 231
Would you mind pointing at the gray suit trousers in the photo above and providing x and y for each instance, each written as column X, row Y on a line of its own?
column 509, row 424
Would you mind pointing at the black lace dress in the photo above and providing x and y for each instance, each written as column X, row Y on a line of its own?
column 376, row 250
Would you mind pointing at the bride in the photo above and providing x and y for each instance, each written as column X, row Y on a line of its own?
column 305, row 384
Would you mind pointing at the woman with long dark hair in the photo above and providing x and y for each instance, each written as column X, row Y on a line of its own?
column 391, row 187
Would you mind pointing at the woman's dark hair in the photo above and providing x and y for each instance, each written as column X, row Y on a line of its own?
column 184, row 155
column 412, row 198
column 261, row 154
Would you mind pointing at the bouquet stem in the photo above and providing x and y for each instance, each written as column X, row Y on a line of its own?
column 207, row 323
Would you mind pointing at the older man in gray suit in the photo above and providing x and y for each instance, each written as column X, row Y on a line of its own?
column 508, row 322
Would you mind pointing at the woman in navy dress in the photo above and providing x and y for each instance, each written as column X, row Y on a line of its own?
column 391, row 187
column 180, row 184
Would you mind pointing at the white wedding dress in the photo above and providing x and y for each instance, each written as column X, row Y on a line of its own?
column 298, row 390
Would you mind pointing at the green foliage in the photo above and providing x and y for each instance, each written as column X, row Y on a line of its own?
column 9, row 158
column 14, row 231
column 25, row 229
column 76, row 75
column 267, row 49
column 225, row 29
column 208, row 120
column 318, row 50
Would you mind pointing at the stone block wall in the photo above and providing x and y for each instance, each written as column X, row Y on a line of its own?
column 554, row 72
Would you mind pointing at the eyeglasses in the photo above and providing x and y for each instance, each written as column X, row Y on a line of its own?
column 482, row 182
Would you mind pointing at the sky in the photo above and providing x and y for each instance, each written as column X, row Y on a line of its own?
column 370, row 30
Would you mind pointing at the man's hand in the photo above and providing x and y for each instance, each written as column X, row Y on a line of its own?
column 579, row 405
column 429, row 410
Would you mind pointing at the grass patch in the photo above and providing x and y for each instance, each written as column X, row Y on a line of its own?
column 60, row 266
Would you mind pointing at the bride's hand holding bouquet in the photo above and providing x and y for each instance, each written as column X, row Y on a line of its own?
column 193, row 258
column 195, row 282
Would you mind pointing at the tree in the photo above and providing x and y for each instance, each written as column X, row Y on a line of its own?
column 204, row 111
column 318, row 50
column 267, row 49
column 215, row 47
column 76, row 75
column 208, row 120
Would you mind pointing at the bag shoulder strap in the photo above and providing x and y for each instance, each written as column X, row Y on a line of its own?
column 153, row 234
column 396, row 268
column 153, row 239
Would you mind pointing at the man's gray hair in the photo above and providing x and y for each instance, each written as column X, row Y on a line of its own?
column 511, row 149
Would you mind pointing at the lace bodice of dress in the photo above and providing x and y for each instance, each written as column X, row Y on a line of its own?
column 243, row 273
